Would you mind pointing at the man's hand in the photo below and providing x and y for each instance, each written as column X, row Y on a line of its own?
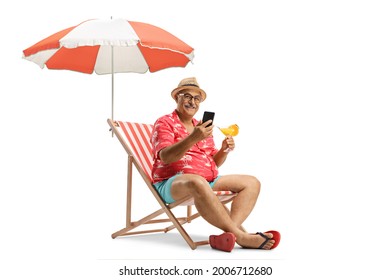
column 202, row 131
column 228, row 144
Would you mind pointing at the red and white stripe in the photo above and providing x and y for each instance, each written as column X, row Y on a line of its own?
column 138, row 137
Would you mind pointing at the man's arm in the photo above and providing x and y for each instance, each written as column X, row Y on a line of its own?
column 221, row 155
column 176, row 151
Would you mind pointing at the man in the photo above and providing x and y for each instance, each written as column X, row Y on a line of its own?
column 186, row 162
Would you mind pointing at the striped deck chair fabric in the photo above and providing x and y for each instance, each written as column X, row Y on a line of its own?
column 135, row 138
column 138, row 136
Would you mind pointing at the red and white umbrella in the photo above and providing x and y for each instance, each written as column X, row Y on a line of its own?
column 110, row 46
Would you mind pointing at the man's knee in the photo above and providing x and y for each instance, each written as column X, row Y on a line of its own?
column 188, row 184
column 197, row 185
column 253, row 183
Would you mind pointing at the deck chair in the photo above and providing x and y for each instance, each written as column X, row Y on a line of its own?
column 135, row 139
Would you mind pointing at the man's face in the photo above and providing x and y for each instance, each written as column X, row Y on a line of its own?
column 188, row 102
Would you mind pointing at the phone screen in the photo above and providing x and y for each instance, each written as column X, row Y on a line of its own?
column 208, row 116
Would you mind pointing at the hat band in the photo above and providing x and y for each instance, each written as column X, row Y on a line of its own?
column 186, row 85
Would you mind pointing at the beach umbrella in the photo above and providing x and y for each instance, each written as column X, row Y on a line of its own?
column 110, row 46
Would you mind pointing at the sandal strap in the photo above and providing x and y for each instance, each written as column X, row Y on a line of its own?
column 265, row 241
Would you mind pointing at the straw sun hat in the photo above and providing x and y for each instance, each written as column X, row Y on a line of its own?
column 188, row 83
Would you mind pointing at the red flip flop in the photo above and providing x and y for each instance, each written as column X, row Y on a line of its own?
column 276, row 238
column 224, row 242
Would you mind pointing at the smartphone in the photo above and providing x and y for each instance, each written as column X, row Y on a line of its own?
column 208, row 116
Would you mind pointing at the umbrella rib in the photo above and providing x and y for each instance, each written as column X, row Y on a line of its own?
column 168, row 49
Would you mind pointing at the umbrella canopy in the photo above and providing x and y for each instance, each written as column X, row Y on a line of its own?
column 110, row 46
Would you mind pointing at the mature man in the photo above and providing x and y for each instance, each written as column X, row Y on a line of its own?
column 186, row 162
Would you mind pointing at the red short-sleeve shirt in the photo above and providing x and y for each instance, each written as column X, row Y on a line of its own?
column 199, row 160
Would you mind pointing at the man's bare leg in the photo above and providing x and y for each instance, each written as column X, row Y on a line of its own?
column 212, row 210
column 248, row 189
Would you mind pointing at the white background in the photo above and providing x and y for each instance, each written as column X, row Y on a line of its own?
column 306, row 81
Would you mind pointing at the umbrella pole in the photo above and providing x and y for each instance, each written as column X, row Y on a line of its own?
column 112, row 86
